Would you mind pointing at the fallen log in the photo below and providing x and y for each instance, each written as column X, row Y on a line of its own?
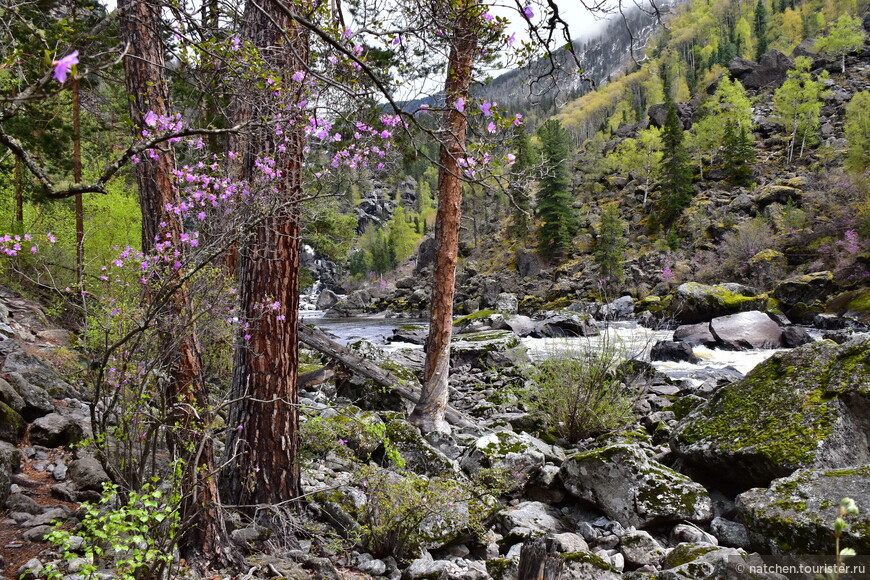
column 318, row 340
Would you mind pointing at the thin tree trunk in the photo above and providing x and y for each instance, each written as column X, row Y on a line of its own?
column 19, row 197
column 262, row 447
column 77, row 178
column 204, row 541
column 428, row 414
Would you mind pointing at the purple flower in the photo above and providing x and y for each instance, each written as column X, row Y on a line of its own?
column 491, row 127
column 512, row 39
column 486, row 108
column 460, row 105
column 150, row 118
column 488, row 17
column 528, row 12
column 63, row 66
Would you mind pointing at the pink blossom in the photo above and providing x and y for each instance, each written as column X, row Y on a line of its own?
column 512, row 39
column 491, row 127
column 460, row 105
column 528, row 12
column 486, row 108
column 63, row 66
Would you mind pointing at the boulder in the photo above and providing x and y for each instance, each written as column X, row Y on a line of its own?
column 55, row 430
column 747, row 330
column 565, row 324
column 507, row 303
column 520, row 453
column 588, row 566
column 634, row 490
column 706, row 562
column 806, row 289
column 693, row 302
column 88, row 474
column 529, row 264
column 37, row 373
column 480, row 349
column 668, row 350
column 411, row 333
column 327, row 300
column 808, row 407
column 620, row 309
column 357, row 303
column 795, row 336
column 797, row 513
column 37, row 403
column 9, row 396
column 695, row 334
column 769, row 72
column 10, row 460
column 781, row 194
column 729, row 533
column 12, row 424
column 640, row 549
column 529, row 519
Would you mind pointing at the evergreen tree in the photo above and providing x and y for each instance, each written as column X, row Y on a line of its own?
column 739, row 154
column 518, row 189
column 676, row 173
column 610, row 246
column 558, row 222
column 760, row 29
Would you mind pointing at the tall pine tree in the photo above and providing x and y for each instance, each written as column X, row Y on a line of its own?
column 558, row 222
column 760, row 29
column 676, row 173
column 518, row 189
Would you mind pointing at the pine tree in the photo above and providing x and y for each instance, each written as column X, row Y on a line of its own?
column 558, row 222
column 739, row 154
column 760, row 29
column 676, row 179
column 610, row 246
column 518, row 189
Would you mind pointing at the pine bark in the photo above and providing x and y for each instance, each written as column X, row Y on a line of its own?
column 428, row 414
column 262, row 448
column 204, row 541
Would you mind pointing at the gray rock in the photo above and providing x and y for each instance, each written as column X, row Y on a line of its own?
column 569, row 542
column 588, row 566
column 747, row 330
column 507, row 303
column 37, row 533
column 36, row 372
column 561, row 324
column 10, row 460
column 423, row 569
column 18, row 502
column 479, row 348
column 692, row 535
column 669, row 350
column 808, row 407
column 639, row 548
column 9, row 396
column 796, row 514
column 519, row 453
column 88, row 474
column 620, row 309
column 374, row 567
column 795, row 336
column 55, row 430
column 695, row 334
column 634, row 490
column 769, row 72
column 529, row 519
column 327, row 300
column 30, row 570
column 247, row 535
column 730, row 533
column 37, row 403
column 703, row 562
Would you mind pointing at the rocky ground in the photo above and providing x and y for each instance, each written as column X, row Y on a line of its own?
column 712, row 471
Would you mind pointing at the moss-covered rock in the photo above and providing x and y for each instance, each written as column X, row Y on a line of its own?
column 11, row 424
column 479, row 348
column 706, row 562
column 588, row 565
column 693, row 302
column 10, row 460
column 629, row 487
column 807, row 289
column 796, row 514
column 852, row 304
column 802, row 408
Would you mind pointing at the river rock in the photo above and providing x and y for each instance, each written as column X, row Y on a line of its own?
column 705, row 562
column 588, row 566
column 357, row 303
column 55, row 430
column 634, row 490
column 481, row 348
column 693, row 302
column 668, row 350
column 796, row 514
column 519, row 453
column 794, row 336
column 809, row 407
column 746, row 330
column 327, row 299
column 507, row 303
column 695, row 334
column 640, row 549
column 563, row 324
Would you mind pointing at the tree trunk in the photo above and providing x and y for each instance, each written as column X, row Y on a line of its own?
column 429, row 412
column 204, row 540
column 77, row 179
column 262, row 448
column 19, row 197
column 538, row 561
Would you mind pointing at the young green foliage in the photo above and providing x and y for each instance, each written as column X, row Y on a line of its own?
column 797, row 105
column 844, row 36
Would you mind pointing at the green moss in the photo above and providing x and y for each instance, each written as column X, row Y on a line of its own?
column 11, row 424
column 558, row 303
column 507, row 443
column 499, row 567
column 589, row 558
column 475, row 316
column 685, row 553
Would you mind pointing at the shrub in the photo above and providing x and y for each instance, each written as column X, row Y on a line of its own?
column 584, row 391
column 135, row 539
column 399, row 513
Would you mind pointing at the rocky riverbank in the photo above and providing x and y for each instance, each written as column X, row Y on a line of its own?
column 707, row 473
